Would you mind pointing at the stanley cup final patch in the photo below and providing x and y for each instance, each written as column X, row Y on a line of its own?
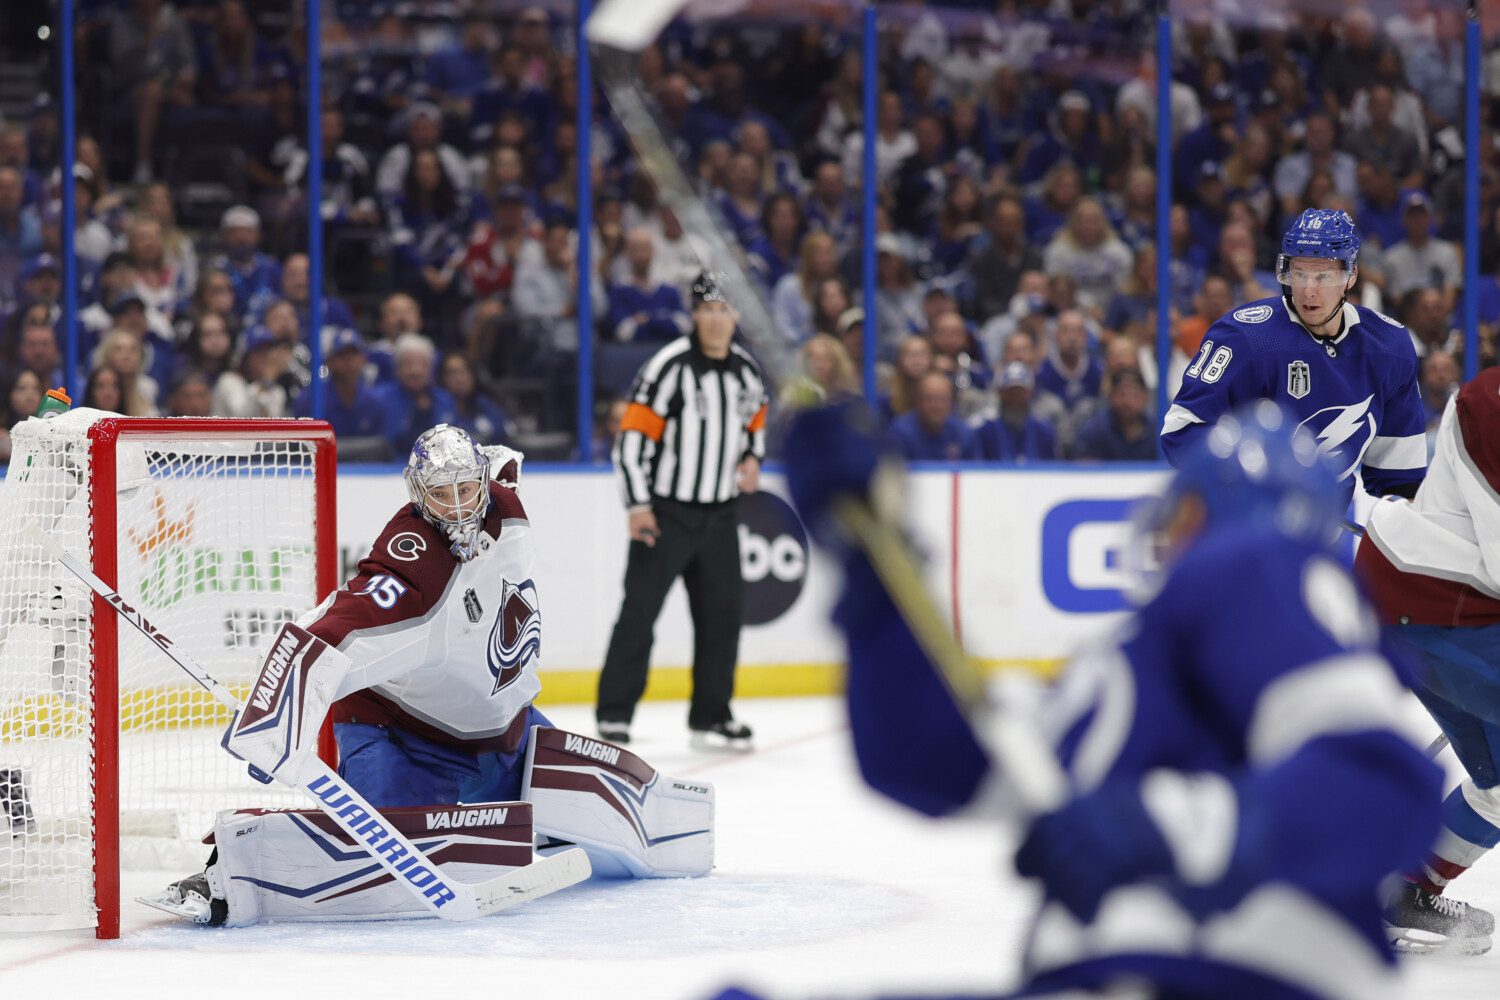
column 472, row 607
column 1298, row 379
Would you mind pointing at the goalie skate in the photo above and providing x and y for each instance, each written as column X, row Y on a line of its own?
column 191, row 899
column 1418, row 922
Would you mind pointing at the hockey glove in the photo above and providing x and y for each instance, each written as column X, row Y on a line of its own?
column 278, row 725
column 1093, row 844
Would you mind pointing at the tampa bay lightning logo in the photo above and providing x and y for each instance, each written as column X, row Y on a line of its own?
column 517, row 635
column 1343, row 432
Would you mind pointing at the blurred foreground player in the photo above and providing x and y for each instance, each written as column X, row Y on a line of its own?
column 428, row 660
column 1433, row 568
column 1238, row 791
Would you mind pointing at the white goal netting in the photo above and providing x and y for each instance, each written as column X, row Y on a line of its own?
column 213, row 538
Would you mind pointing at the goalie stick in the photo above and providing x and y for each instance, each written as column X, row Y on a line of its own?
column 617, row 31
column 443, row 896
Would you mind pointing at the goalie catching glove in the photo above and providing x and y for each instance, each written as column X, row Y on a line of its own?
column 277, row 726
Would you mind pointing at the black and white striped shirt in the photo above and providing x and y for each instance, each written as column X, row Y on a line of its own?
column 691, row 420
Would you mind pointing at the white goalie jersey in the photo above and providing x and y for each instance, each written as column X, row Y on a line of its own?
column 444, row 649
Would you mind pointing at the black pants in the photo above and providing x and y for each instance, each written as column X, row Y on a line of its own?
column 700, row 543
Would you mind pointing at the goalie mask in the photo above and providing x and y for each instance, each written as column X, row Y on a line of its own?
column 442, row 460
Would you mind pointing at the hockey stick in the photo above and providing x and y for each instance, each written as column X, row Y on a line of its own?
column 444, row 897
column 618, row 30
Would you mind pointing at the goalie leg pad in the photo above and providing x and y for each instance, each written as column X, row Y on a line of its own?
column 632, row 820
column 299, row 865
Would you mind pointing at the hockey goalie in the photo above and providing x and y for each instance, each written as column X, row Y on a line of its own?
column 427, row 663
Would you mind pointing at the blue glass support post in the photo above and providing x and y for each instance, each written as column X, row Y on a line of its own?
column 584, row 309
column 1163, row 210
column 1471, row 193
column 319, row 385
column 871, row 82
column 72, row 377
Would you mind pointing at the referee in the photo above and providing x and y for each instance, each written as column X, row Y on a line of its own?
column 691, row 441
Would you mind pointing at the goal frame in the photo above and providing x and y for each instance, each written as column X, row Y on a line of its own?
column 104, row 436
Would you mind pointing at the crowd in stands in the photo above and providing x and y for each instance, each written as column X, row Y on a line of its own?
column 1016, row 241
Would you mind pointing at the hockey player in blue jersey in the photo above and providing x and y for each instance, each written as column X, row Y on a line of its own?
column 1237, row 787
column 1346, row 373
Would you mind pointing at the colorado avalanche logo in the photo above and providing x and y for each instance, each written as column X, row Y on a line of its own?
column 1343, row 432
column 517, row 635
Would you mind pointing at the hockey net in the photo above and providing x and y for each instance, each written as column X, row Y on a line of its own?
column 218, row 531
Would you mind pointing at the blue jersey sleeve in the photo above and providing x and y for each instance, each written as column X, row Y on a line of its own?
column 1396, row 460
column 1224, row 373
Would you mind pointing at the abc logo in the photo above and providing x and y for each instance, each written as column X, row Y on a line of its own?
column 773, row 556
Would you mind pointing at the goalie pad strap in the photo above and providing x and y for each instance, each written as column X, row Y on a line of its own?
column 300, row 865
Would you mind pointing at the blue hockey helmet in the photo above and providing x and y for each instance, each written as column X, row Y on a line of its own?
column 1319, row 232
column 1255, row 468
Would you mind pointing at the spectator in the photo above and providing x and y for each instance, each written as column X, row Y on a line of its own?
column 893, row 144
column 1212, row 142
column 1136, row 295
column 840, row 112
column 1047, row 212
column 1425, row 312
column 296, row 288
column 494, row 247
column 399, row 313
column 1070, row 375
column 774, row 249
column 1246, row 172
column 209, row 347
column 828, row 207
column 281, row 320
column 117, row 275
column 546, row 287
column 833, row 301
column 431, row 222
column 827, row 363
column 931, row 432
column 122, row 350
column 22, row 397
column 232, row 64
column 44, row 135
column 40, row 283
column 1189, row 262
column 37, row 352
column 107, row 203
column 250, row 271
column 609, row 415
column 151, row 63
column 103, row 392
column 1135, row 222
column 1381, row 141
column 1071, row 138
column 957, row 354
column 178, row 255
column 921, row 180
column 456, row 73
column 1237, row 262
column 1379, row 205
column 898, row 294
column 792, row 299
column 960, row 228
column 997, row 268
column 676, row 258
column 639, row 308
column 1214, row 299
column 740, row 201
column 1089, row 252
column 1350, row 66
column 1295, row 170
column 412, row 403
column 20, row 226
column 913, row 360
column 254, row 389
column 214, row 295
column 477, row 413
column 1028, row 307
column 189, row 394
column 1420, row 260
column 1120, row 432
column 508, row 90
column 1016, row 435
column 1439, row 380
column 92, row 239
column 353, row 406
column 777, row 169
column 348, row 182
column 13, row 154
column 160, row 283
column 153, row 335
column 424, row 125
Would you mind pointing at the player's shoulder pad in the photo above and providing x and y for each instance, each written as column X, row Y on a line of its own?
column 1252, row 327
column 1386, row 334
column 412, row 549
column 505, row 509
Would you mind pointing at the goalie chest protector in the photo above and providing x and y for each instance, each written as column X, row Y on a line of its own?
column 445, row 649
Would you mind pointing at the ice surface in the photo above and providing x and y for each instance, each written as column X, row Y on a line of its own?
column 821, row 890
